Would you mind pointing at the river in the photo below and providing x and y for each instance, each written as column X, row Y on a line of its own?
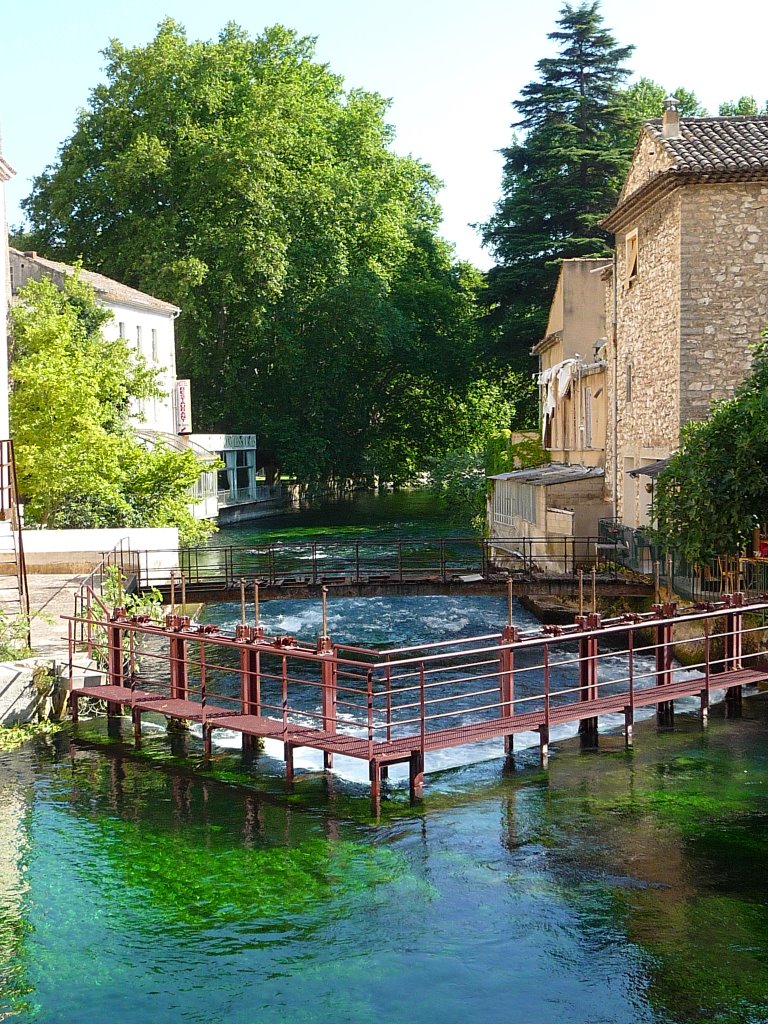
column 617, row 886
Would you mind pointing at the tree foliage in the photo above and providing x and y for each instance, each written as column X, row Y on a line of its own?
column 644, row 100
column 562, row 177
column 79, row 463
column 715, row 489
column 745, row 106
column 240, row 180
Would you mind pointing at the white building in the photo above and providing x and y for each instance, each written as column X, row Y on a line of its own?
column 147, row 323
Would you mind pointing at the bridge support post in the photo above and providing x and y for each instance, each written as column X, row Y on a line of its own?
column 732, row 652
column 179, row 668
column 114, row 662
column 375, row 777
column 416, row 775
column 136, row 716
column 250, row 688
column 288, row 754
column 207, row 742
column 507, row 682
column 665, row 710
column 328, row 676
column 544, row 745
column 629, row 724
column 588, row 688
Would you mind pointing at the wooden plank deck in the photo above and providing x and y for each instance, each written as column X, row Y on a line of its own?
column 384, row 752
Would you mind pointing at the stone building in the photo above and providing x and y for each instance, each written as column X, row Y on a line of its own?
column 690, row 291
column 564, row 499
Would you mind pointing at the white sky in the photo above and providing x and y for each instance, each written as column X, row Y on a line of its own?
column 451, row 68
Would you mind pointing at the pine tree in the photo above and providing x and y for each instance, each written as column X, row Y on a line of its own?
column 561, row 178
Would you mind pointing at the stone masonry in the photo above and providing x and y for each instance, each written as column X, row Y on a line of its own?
column 699, row 299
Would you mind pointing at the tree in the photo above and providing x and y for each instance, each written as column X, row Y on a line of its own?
column 644, row 100
column 715, row 489
column 561, row 178
column 79, row 463
column 238, row 179
column 746, row 106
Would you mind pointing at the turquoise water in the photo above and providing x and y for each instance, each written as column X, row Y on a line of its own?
column 618, row 886
column 360, row 515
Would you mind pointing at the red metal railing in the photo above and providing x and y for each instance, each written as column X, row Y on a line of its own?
column 390, row 706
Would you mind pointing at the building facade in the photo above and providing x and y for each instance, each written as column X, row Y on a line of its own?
column 147, row 324
column 690, row 290
column 564, row 499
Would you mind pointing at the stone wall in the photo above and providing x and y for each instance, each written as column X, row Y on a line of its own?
column 648, row 361
column 650, row 158
column 724, row 301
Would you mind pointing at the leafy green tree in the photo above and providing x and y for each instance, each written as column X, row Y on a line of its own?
column 79, row 463
column 715, row 489
column 746, row 106
column 561, row 177
column 240, row 180
column 644, row 100
column 458, row 475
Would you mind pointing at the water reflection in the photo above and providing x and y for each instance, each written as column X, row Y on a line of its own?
column 619, row 886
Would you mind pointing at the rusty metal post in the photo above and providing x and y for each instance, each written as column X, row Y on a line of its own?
column 329, row 681
column 629, row 710
column 665, row 710
column 507, row 681
column 707, row 670
column 732, row 651
column 544, row 728
column 416, row 775
column 114, row 661
column 588, row 681
column 375, row 777
column 179, row 669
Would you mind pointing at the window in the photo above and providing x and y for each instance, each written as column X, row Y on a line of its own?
column 154, row 345
column 138, row 338
column 242, row 471
column 631, row 244
column 628, row 394
column 588, row 417
column 121, row 329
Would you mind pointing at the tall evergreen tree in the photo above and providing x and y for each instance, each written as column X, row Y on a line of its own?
column 561, row 177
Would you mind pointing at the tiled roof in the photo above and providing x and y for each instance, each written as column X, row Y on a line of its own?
column 104, row 287
column 710, row 149
column 717, row 144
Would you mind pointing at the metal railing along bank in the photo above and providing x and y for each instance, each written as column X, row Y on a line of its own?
column 396, row 705
column 401, row 560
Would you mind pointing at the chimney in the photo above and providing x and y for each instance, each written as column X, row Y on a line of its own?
column 670, row 124
column 32, row 255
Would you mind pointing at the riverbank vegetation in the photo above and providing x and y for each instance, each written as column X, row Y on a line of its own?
column 714, row 491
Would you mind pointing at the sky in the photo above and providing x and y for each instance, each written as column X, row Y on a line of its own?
column 451, row 69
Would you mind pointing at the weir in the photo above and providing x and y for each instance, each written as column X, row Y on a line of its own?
column 392, row 706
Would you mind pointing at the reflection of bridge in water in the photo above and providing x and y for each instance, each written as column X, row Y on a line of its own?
column 396, row 706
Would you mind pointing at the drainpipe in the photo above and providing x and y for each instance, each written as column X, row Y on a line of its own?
column 615, row 403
